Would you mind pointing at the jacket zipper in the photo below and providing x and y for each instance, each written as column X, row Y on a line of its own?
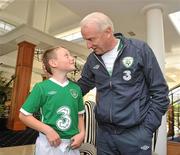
column 120, row 52
column 110, row 83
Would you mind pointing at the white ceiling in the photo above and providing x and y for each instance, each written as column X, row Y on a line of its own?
column 57, row 16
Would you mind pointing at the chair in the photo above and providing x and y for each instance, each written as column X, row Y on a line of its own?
column 88, row 147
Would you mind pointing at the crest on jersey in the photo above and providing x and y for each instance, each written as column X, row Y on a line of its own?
column 74, row 93
column 128, row 61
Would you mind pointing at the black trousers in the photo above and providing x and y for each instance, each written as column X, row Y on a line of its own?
column 132, row 141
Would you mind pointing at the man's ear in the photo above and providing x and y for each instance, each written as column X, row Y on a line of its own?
column 109, row 31
column 52, row 62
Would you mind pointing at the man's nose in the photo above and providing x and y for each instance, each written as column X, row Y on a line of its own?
column 89, row 45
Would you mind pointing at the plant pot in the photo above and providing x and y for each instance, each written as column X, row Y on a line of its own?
column 3, row 122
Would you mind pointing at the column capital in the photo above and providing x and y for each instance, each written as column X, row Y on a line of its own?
column 27, row 39
column 152, row 6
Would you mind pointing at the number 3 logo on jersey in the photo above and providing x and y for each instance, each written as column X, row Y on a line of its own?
column 64, row 122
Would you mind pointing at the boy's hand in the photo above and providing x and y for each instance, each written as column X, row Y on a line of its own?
column 53, row 138
column 77, row 140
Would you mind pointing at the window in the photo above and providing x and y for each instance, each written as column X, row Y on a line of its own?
column 175, row 18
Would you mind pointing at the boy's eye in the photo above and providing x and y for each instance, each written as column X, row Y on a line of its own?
column 66, row 55
column 91, row 39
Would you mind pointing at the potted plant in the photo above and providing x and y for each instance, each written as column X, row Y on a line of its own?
column 5, row 93
column 3, row 98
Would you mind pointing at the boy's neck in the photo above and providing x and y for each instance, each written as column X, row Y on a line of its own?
column 60, row 78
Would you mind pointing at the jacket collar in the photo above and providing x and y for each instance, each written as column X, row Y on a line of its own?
column 121, row 45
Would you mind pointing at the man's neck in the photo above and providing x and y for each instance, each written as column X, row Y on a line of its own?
column 114, row 42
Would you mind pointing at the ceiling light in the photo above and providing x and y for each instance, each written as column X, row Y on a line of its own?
column 71, row 35
column 175, row 19
column 5, row 27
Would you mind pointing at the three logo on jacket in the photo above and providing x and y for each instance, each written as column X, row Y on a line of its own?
column 127, row 62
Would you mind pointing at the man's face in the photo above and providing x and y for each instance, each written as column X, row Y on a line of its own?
column 95, row 39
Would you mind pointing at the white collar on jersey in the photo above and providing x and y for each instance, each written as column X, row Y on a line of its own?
column 61, row 84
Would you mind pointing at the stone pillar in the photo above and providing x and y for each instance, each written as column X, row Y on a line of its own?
column 22, row 82
column 155, row 38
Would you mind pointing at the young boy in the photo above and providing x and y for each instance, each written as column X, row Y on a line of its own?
column 61, row 129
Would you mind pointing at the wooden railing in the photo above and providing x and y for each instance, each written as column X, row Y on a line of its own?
column 173, row 148
column 174, row 113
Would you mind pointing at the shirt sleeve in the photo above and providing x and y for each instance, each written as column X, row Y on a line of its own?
column 81, row 108
column 33, row 101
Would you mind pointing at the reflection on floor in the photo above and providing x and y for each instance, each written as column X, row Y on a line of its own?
column 18, row 150
column 17, row 142
column 17, row 138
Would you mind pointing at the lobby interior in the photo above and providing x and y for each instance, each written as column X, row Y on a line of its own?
column 47, row 23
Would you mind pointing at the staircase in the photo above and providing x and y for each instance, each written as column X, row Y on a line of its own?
column 173, row 147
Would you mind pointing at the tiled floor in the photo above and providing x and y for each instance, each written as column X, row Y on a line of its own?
column 17, row 142
column 9, row 138
column 18, row 150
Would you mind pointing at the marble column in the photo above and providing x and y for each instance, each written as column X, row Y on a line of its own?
column 155, row 38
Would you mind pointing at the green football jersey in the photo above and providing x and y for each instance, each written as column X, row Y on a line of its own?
column 59, row 106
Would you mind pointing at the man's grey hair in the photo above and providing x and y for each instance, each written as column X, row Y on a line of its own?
column 98, row 18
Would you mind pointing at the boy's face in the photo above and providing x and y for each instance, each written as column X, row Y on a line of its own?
column 64, row 61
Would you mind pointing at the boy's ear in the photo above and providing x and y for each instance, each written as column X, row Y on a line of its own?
column 52, row 62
